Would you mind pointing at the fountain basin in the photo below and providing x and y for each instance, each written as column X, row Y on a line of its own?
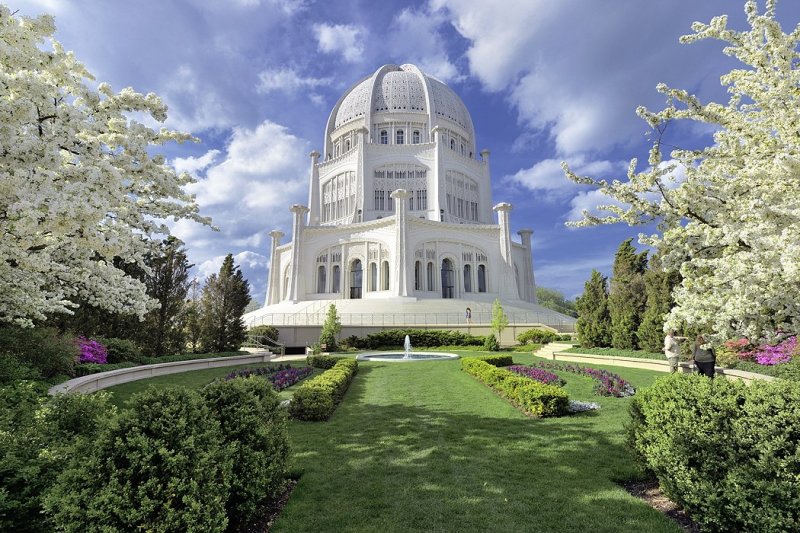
column 400, row 357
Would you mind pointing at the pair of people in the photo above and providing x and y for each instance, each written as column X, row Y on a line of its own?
column 702, row 354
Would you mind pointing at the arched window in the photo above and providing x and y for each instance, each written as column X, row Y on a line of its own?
column 467, row 278
column 373, row 276
column 356, row 279
column 336, row 274
column 481, row 278
column 286, row 274
column 430, row 286
column 399, row 137
column 462, row 150
column 384, row 137
column 448, row 279
column 321, row 279
column 452, row 144
column 385, row 276
column 415, row 137
column 417, row 276
column 347, row 146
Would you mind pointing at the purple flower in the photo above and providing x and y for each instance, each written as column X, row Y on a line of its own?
column 543, row 376
column 608, row 383
column 91, row 351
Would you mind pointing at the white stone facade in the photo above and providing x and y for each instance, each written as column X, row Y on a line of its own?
column 400, row 211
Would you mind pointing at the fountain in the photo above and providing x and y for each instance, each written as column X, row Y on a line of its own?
column 406, row 355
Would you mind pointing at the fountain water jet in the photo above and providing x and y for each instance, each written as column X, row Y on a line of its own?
column 407, row 346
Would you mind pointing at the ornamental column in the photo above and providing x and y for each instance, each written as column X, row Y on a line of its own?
column 313, row 190
column 528, row 281
column 503, row 209
column 299, row 212
column 400, row 254
column 274, row 281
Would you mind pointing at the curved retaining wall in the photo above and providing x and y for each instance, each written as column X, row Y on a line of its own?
column 101, row 380
column 650, row 364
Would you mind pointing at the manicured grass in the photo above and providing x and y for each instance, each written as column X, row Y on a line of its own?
column 640, row 354
column 424, row 447
column 193, row 380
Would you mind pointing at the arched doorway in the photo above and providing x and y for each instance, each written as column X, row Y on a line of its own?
column 448, row 279
column 356, row 279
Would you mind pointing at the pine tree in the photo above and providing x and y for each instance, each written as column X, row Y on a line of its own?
column 626, row 298
column 330, row 329
column 193, row 326
column 225, row 298
column 658, row 286
column 168, row 284
column 594, row 324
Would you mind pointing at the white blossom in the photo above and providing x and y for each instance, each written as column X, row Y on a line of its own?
column 78, row 183
column 732, row 226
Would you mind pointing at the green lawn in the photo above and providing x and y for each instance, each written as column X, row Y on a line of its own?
column 424, row 447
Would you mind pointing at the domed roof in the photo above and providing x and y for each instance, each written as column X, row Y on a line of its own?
column 401, row 89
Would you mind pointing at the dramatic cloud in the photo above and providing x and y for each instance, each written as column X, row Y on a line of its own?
column 416, row 36
column 344, row 39
column 547, row 178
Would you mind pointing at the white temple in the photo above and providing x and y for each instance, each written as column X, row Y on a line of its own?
column 400, row 229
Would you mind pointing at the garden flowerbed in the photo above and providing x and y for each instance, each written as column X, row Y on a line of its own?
column 608, row 383
column 281, row 377
column 538, row 374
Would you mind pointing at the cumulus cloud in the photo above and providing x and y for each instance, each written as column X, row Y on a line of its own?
column 194, row 105
column 574, row 74
column 416, row 36
column 346, row 39
column 547, row 178
column 195, row 164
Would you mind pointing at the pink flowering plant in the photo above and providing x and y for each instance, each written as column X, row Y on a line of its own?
column 538, row 374
column 606, row 383
column 91, row 351
column 769, row 354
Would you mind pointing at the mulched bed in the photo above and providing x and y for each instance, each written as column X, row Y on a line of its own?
column 650, row 492
column 270, row 513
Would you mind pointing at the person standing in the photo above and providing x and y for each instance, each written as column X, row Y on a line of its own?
column 468, row 314
column 704, row 357
column 672, row 350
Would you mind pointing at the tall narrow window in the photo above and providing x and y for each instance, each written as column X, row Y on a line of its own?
column 447, row 279
column 430, row 285
column 356, row 279
column 336, row 274
column 321, row 279
column 417, row 276
column 415, row 137
column 399, row 137
column 385, row 276
column 467, row 278
column 384, row 137
column 373, row 276
column 452, row 144
column 481, row 278
column 347, row 146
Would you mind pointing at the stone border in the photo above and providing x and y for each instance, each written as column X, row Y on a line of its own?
column 102, row 380
column 651, row 364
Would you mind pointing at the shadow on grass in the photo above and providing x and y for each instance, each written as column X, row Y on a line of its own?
column 459, row 459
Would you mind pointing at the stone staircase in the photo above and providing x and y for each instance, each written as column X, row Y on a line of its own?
column 549, row 349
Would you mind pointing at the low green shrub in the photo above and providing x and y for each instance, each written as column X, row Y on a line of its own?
column 726, row 452
column 535, row 398
column 122, row 350
column 254, row 428
column 13, row 370
column 42, row 348
column 86, row 369
column 163, row 466
column 419, row 337
column 317, row 398
column 537, row 336
column 270, row 332
column 497, row 360
column 491, row 344
column 322, row 361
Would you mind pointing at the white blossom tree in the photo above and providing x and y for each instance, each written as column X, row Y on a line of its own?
column 731, row 224
column 78, row 183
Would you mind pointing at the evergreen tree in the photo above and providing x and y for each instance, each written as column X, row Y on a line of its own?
column 594, row 324
column 330, row 329
column 192, row 323
column 225, row 298
column 499, row 318
column 168, row 284
column 658, row 286
column 626, row 299
column 555, row 300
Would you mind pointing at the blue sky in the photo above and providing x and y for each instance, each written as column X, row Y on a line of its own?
column 545, row 82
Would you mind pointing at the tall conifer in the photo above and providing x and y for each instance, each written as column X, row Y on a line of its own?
column 658, row 286
column 626, row 299
column 594, row 325
column 225, row 298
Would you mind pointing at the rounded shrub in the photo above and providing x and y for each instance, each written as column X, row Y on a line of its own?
column 537, row 336
column 163, row 466
column 254, row 427
column 122, row 350
column 728, row 453
column 44, row 349
column 491, row 344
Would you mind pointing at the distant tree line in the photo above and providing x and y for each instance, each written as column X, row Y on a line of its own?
column 628, row 312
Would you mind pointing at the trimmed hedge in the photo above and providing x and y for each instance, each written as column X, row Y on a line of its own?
column 323, row 361
column 317, row 398
column 537, row 336
column 497, row 360
column 728, row 453
column 418, row 337
column 536, row 399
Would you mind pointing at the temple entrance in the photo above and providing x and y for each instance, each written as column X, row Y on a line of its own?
column 448, row 279
column 356, row 280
